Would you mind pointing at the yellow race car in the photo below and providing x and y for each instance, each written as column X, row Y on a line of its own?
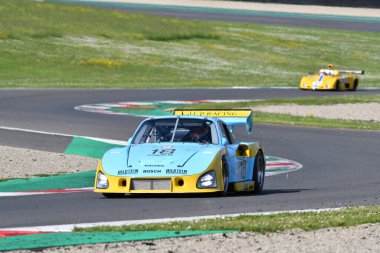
column 332, row 79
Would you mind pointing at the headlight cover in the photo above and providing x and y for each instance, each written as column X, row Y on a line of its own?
column 207, row 180
column 102, row 181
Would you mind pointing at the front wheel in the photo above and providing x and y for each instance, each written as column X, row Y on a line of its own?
column 356, row 83
column 225, row 176
column 337, row 84
column 259, row 172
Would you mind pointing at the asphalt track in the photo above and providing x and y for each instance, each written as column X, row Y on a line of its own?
column 340, row 166
column 269, row 18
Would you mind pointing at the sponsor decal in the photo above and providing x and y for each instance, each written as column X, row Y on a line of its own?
column 176, row 171
column 243, row 166
column 167, row 147
column 151, row 171
column 128, row 171
column 220, row 114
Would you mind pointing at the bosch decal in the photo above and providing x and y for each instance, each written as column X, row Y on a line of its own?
column 151, row 171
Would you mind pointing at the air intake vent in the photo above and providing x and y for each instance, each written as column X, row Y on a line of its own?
column 159, row 184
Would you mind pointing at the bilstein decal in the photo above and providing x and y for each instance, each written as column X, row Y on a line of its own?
column 127, row 172
column 176, row 171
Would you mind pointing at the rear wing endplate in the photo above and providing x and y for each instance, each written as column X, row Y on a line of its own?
column 231, row 117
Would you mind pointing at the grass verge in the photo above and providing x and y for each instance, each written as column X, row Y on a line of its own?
column 74, row 46
column 264, row 223
column 286, row 119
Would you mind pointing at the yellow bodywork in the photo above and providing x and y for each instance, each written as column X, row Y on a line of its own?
column 340, row 82
column 182, row 184
column 331, row 79
column 178, row 184
column 244, row 186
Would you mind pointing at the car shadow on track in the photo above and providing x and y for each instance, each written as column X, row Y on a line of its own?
column 210, row 195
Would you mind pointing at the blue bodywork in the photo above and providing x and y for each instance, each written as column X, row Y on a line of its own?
column 167, row 159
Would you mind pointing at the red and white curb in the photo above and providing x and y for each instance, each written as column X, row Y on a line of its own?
column 281, row 166
column 41, row 192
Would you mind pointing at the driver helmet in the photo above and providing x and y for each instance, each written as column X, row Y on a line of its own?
column 201, row 133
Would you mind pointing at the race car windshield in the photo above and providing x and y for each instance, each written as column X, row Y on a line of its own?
column 176, row 130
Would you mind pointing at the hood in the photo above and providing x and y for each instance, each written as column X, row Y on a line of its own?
column 170, row 159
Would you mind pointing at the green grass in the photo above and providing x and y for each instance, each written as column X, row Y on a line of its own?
column 32, row 176
column 74, row 46
column 286, row 119
column 264, row 223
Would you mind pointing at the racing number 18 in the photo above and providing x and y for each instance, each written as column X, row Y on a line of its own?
column 163, row 151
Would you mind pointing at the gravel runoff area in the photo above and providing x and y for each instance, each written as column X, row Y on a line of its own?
column 367, row 111
column 18, row 162
column 363, row 238
column 26, row 163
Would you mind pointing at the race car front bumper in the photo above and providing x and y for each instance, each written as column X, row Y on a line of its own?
column 211, row 180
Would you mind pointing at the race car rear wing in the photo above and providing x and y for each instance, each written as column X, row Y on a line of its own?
column 357, row 72
column 232, row 117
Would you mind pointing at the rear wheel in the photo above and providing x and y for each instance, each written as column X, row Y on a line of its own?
column 113, row 195
column 259, row 172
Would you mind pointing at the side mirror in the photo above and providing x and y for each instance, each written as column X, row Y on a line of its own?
column 224, row 141
column 129, row 141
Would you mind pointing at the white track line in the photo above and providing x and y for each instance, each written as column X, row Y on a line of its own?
column 40, row 192
column 70, row 227
column 117, row 142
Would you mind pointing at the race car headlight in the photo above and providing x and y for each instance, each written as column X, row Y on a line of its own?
column 207, row 180
column 102, row 182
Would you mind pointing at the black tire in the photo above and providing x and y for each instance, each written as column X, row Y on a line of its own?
column 337, row 83
column 225, row 176
column 113, row 195
column 356, row 83
column 259, row 172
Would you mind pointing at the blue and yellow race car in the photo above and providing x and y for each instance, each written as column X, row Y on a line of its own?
column 193, row 151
